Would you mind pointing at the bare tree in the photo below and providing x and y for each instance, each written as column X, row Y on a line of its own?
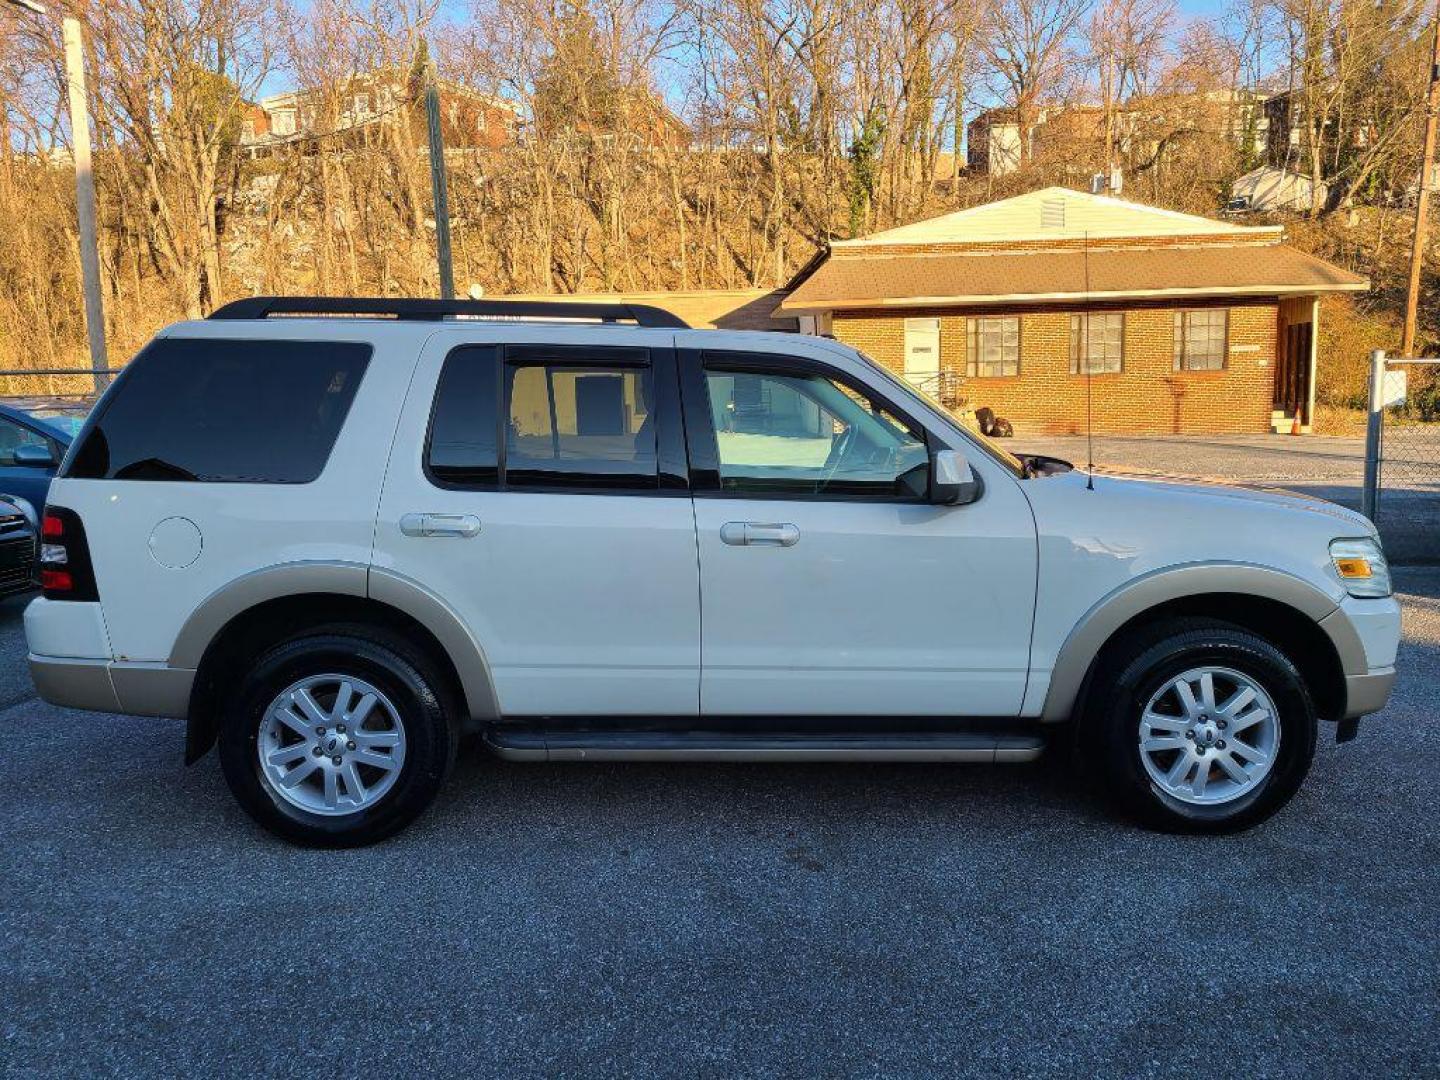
column 1027, row 44
column 172, row 77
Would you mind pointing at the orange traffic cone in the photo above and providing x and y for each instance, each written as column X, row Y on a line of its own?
column 1295, row 427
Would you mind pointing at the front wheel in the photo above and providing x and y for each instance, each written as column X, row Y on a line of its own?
column 338, row 738
column 1201, row 726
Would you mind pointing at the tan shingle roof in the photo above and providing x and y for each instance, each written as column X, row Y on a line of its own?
column 931, row 280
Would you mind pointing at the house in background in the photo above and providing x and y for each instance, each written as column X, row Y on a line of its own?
column 469, row 119
column 1072, row 134
column 1181, row 323
column 992, row 142
column 1268, row 188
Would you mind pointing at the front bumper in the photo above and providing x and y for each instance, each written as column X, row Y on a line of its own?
column 112, row 686
column 1365, row 694
column 1366, row 634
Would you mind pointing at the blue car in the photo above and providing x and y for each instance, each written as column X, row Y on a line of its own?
column 33, row 438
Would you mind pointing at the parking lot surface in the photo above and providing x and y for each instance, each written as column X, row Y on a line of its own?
column 699, row 920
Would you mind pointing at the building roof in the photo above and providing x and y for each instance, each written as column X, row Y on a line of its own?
column 1059, row 246
column 1057, row 213
column 948, row 280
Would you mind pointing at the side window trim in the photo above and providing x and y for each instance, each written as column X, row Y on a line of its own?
column 700, row 434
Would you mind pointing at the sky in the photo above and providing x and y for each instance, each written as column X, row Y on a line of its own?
column 458, row 11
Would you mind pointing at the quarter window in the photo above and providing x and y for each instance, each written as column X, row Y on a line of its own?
column 207, row 409
column 992, row 347
column 1097, row 343
column 1201, row 339
column 807, row 434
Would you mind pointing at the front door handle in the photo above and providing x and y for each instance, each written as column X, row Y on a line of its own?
column 759, row 534
column 461, row 525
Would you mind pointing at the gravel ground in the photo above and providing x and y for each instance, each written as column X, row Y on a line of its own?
column 694, row 920
column 1326, row 466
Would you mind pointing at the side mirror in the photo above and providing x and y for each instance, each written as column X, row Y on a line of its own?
column 952, row 481
column 34, row 455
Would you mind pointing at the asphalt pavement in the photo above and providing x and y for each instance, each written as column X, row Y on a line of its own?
column 717, row 921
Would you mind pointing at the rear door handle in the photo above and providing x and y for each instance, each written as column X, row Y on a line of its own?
column 461, row 525
column 759, row 534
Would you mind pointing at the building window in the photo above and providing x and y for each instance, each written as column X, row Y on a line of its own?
column 1097, row 343
column 362, row 104
column 284, row 122
column 1201, row 339
column 992, row 347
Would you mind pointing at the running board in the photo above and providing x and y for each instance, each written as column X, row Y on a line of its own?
column 527, row 744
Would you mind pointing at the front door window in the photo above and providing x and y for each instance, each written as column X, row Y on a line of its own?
column 807, row 434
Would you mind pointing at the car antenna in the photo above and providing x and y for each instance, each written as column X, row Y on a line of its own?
column 1084, row 352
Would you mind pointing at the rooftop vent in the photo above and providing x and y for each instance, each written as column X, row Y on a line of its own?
column 1052, row 213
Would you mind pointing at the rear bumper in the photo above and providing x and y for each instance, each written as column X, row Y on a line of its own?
column 112, row 685
column 1365, row 694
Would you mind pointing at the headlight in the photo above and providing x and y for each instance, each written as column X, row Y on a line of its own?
column 1361, row 567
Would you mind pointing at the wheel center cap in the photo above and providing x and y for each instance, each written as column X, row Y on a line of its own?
column 1206, row 734
column 334, row 744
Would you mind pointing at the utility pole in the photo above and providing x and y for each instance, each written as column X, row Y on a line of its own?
column 84, row 190
column 85, row 201
column 438, row 187
column 1422, row 196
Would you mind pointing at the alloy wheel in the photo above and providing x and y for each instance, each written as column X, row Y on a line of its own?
column 331, row 744
column 1209, row 735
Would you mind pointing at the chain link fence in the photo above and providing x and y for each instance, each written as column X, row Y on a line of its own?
column 1402, row 456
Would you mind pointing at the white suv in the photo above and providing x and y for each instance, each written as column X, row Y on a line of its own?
column 587, row 532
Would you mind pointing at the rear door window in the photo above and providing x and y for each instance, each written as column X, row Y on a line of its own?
column 224, row 411
column 557, row 418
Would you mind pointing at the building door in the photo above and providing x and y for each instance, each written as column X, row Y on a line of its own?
column 922, row 351
column 1293, row 383
column 1295, row 359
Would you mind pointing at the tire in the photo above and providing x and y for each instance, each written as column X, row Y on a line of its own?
column 1169, row 793
column 320, row 809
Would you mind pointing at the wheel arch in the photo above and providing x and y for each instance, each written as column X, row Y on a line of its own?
column 263, row 607
column 1296, row 615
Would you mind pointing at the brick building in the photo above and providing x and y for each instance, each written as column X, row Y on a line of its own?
column 1182, row 324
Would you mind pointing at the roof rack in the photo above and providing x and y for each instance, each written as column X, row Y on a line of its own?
column 262, row 307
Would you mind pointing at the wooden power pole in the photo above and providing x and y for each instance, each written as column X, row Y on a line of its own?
column 85, row 201
column 84, row 189
column 1422, row 196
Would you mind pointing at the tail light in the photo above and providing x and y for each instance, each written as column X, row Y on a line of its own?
column 65, row 570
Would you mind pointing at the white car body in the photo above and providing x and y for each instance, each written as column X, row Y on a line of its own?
column 615, row 605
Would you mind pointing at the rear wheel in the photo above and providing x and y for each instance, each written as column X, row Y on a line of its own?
column 1200, row 726
column 338, row 738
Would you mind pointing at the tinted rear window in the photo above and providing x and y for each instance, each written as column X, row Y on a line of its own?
column 224, row 411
